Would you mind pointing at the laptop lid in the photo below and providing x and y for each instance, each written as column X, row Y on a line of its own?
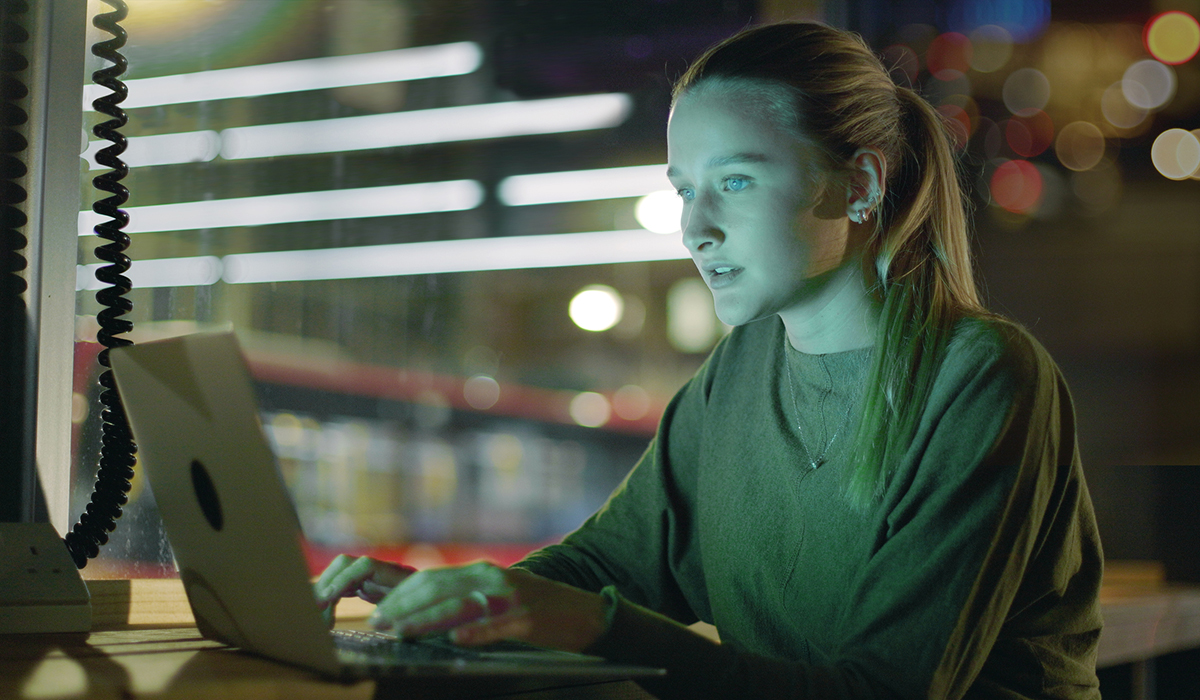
column 236, row 538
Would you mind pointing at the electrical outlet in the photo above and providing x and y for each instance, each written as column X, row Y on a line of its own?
column 40, row 588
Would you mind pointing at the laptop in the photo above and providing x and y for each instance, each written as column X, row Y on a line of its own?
column 237, row 540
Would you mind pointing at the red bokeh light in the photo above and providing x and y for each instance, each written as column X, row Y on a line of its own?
column 1016, row 186
column 948, row 52
column 1029, row 133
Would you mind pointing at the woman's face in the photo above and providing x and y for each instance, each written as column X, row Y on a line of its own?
column 754, row 217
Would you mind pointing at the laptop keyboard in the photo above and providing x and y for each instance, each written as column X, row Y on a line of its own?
column 383, row 646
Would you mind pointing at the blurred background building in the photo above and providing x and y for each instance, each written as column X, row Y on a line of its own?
column 443, row 232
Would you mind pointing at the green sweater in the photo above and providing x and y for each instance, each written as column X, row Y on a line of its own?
column 976, row 576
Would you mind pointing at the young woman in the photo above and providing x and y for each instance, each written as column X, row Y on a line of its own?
column 872, row 486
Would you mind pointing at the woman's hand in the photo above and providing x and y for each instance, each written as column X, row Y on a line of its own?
column 482, row 603
column 364, row 577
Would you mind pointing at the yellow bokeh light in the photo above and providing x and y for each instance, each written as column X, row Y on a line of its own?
column 1173, row 37
column 993, row 46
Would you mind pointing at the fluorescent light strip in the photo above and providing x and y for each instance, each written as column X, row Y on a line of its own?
column 467, row 123
column 164, row 272
column 581, row 185
column 163, row 149
column 415, row 63
column 401, row 259
column 469, row 255
column 393, row 200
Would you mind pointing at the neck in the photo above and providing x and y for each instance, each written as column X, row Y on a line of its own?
column 840, row 315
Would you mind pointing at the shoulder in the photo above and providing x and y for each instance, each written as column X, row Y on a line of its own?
column 997, row 348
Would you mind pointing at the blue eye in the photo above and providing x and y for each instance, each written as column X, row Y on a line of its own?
column 736, row 184
column 685, row 194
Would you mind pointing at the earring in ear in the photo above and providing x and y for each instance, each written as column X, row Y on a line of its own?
column 860, row 216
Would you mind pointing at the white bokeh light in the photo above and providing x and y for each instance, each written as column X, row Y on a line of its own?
column 590, row 409
column 1176, row 154
column 659, row 212
column 1026, row 89
column 1148, row 84
column 597, row 307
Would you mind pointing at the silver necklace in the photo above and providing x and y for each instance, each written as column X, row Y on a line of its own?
column 799, row 425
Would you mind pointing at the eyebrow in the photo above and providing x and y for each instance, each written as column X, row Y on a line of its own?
column 732, row 159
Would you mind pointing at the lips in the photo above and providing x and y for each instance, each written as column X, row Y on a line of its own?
column 721, row 274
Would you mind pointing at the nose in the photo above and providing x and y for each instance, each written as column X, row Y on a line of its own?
column 700, row 230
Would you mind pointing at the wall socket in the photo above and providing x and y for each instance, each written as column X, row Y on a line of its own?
column 41, row 591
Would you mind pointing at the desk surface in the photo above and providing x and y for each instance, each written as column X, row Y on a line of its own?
column 176, row 662
column 170, row 659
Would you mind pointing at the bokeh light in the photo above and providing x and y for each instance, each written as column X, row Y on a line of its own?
column 991, row 47
column 1196, row 133
column 589, row 409
column 948, row 52
column 631, row 402
column 481, row 392
column 1148, row 84
column 1117, row 110
column 1172, row 37
column 1024, row 89
column 596, row 307
column 692, row 325
column 1016, row 186
column 1024, row 19
column 1080, row 145
column 659, row 212
column 1176, row 154
column 1029, row 133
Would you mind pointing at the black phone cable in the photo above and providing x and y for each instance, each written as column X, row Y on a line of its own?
column 118, row 450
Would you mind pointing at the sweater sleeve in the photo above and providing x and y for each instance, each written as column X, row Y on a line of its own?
column 984, row 577
column 640, row 540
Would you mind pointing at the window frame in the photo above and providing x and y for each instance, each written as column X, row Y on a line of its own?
column 55, row 106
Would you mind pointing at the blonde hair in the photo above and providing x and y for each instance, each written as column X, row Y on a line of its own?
column 831, row 91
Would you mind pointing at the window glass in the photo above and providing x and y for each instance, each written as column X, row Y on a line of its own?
column 443, row 233
column 421, row 219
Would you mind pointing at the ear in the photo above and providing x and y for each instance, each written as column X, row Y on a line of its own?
column 868, row 178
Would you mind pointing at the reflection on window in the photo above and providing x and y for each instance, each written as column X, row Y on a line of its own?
column 393, row 204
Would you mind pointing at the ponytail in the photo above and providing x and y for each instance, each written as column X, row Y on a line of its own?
column 924, row 276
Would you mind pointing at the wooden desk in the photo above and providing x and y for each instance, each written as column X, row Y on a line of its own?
column 144, row 645
column 176, row 662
